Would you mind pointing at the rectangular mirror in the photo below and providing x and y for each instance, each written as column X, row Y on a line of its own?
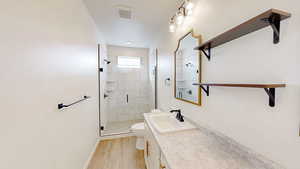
column 188, row 69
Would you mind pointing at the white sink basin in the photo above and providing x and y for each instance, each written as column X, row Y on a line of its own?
column 166, row 123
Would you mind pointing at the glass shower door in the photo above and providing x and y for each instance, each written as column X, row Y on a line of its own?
column 129, row 96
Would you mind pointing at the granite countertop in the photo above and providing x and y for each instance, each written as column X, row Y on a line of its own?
column 203, row 148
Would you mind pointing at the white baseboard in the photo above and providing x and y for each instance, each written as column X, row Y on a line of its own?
column 86, row 165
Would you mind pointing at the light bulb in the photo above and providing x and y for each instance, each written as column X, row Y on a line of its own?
column 179, row 18
column 172, row 27
column 189, row 12
column 189, row 5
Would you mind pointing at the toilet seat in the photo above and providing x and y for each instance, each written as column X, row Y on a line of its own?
column 138, row 130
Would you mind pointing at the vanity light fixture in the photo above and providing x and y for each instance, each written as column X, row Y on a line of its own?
column 172, row 26
column 189, row 5
column 185, row 9
column 180, row 16
column 189, row 12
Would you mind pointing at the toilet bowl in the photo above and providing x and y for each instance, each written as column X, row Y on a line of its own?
column 138, row 130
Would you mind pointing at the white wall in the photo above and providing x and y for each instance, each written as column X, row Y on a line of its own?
column 48, row 52
column 242, row 113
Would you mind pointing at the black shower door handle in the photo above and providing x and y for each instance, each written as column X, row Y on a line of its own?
column 127, row 98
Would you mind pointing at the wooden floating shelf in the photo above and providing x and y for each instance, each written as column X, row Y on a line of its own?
column 269, row 88
column 243, row 85
column 271, row 18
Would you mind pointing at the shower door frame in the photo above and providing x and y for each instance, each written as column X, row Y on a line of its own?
column 155, row 78
column 99, row 70
column 99, row 86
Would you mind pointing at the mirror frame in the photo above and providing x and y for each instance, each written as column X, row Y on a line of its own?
column 199, row 37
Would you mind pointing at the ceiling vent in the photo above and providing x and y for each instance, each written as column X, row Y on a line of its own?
column 124, row 12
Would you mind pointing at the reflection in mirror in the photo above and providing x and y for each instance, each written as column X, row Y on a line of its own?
column 188, row 69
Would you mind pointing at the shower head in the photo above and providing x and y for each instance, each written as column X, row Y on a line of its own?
column 107, row 61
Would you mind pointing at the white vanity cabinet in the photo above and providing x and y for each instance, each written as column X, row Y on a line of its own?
column 152, row 151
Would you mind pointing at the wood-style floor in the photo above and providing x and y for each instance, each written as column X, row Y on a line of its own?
column 117, row 154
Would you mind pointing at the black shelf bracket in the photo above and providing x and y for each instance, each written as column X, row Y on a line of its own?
column 274, row 21
column 271, row 93
column 205, row 90
column 208, row 53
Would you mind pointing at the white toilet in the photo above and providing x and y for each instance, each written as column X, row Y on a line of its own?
column 138, row 130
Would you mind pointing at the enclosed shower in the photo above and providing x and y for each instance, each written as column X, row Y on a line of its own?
column 128, row 88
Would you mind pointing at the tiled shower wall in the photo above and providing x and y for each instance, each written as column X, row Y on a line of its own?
column 133, row 82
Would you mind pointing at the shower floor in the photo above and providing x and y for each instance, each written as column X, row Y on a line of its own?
column 119, row 127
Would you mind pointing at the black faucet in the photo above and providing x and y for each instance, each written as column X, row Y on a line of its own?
column 179, row 116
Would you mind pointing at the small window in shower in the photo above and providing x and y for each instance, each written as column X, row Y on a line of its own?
column 129, row 62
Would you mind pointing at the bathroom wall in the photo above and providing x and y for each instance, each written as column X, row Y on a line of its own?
column 241, row 113
column 123, row 81
column 48, row 52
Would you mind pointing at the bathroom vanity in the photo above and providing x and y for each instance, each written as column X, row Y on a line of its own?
column 152, row 151
column 196, row 148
